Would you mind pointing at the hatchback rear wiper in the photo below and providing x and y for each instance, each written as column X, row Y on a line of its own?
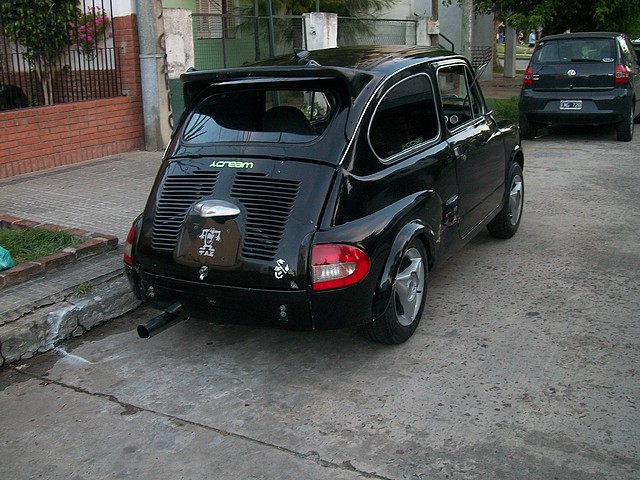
column 589, row 60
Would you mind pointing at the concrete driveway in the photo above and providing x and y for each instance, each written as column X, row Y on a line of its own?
column 525, row 366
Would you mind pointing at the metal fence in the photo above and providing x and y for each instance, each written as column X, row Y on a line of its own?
column 87, row 69
column 222, row 40
column 372, row 31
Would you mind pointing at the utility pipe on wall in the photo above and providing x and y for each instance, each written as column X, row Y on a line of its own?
column 155, row 93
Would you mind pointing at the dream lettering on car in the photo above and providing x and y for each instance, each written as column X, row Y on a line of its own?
column 230, row 164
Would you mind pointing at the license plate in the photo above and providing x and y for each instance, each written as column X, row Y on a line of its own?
column 570, row 104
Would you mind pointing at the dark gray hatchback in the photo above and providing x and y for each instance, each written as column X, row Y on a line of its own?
column 588, row 78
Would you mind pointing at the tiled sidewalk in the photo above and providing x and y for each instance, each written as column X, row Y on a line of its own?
column 102, row 195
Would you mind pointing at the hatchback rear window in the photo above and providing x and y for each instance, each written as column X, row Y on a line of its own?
column 260, row 115
column 599, row 50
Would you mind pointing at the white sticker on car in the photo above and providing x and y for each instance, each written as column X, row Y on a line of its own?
column 281, row 268
column 208, row 236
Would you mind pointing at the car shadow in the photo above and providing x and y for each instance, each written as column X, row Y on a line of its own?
column 578, row 132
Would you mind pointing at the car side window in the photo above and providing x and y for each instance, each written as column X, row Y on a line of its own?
column 461, row 100
column 405, row 118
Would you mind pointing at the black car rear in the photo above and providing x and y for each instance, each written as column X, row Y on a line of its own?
column 581, row 79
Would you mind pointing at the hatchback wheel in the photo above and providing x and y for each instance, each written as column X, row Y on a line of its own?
column 527, row 128
column 505, row 224
column 624, row 129
column 402, row 316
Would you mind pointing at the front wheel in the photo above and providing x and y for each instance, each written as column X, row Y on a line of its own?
column 505, row 224
column 408, row 295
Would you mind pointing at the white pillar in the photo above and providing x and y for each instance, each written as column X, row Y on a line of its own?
column 178, row 33
column 467, row 28
column 510, row 40
column 320, row 30
column 427, row 31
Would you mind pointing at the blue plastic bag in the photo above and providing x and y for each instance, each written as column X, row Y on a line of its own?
column 5, row 259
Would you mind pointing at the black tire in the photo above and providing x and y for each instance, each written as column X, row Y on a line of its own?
column 505, row 224
column 408, row 296
column 528, row 130
column 624, row 129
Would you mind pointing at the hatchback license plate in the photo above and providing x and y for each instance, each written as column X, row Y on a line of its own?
column 570, row 104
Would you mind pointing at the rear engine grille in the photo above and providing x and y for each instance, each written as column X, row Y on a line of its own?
column 268, row 204
column 178, row 193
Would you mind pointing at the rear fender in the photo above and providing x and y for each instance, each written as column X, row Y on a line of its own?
column 131, row 271
column 415, row 228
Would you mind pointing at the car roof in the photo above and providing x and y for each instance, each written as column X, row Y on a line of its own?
column 560, row 36
column 356, row 66
column 371, row 58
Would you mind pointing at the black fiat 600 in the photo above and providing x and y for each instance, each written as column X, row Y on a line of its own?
column 318, row 190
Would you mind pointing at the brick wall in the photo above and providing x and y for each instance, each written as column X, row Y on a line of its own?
column 43, row 137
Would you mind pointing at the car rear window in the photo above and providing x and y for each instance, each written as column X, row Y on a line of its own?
column 260, row 115
column 600, row 50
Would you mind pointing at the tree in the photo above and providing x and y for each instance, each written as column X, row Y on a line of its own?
column 346, row 8
column 41, row 27
column 557, row 16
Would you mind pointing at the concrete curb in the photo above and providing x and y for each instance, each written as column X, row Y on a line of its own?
column 44, row 328
column 45, row 320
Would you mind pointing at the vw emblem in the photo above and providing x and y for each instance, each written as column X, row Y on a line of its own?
column 571, row 72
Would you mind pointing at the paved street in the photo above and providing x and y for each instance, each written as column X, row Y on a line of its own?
column 525, row 366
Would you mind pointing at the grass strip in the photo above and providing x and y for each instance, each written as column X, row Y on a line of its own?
column 504, row 108
column 29, row 244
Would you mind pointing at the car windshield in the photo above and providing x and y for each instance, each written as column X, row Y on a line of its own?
column 260, row 115
column 575, row 50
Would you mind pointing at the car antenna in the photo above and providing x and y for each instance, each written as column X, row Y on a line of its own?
column 300, row 54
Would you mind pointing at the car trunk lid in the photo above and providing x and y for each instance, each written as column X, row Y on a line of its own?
column 574, row 65
column 234, row 222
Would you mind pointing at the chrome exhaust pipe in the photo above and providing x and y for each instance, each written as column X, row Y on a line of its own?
column 168, row 318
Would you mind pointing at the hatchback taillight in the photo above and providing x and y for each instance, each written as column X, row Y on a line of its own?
column 128, row 247
column 334, row 266
column 527, row 77
column 621, row 75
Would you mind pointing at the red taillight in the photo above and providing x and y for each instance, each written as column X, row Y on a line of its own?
column 621, row 75
column 335, row 266
column 527, row 77
column 128, row 247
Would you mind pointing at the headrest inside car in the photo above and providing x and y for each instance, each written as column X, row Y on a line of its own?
column 287, row 119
